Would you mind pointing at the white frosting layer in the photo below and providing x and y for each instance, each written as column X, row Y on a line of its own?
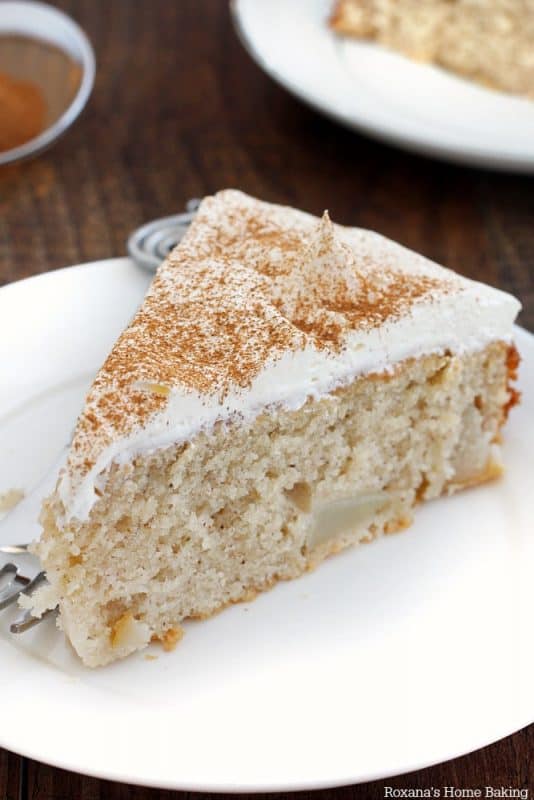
column 262, row 306
column 460, row 322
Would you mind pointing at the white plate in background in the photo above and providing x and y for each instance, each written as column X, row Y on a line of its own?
column 390, row 657
column 383, row 94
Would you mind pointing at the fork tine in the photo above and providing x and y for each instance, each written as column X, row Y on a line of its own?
column 28, row 621
column 12, row 594
column 14, row 549
column 9, row 569
column 22, row 523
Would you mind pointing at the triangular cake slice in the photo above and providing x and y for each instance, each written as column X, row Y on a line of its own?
column 289, row 387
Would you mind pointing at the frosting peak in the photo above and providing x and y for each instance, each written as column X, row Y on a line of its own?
column 259, row 305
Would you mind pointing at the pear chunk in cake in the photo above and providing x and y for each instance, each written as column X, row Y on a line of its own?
column 289, row 387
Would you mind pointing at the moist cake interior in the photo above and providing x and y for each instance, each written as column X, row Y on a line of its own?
column 186, row 531
column 288, row 388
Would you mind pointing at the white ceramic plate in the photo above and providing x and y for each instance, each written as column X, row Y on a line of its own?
column 416, row 106
column 388, row 658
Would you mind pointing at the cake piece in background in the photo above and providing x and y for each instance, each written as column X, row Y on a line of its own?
column 489, row 41
column 289, row 387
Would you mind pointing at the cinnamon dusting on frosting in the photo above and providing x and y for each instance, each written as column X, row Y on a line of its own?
column 328, row 294
column 248, row 283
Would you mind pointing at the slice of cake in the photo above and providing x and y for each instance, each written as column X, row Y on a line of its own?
column 491, row 42
column 289, row 387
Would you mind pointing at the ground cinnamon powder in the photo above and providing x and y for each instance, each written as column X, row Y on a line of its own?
column 22, row 111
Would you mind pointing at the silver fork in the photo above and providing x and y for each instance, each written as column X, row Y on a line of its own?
column 147, row 246
column 18, row 585
column 22, row 522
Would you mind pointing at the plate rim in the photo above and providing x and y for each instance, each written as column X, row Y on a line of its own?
column 218, row 787
column 419, row 145
column 69, row 267
column 253, row 788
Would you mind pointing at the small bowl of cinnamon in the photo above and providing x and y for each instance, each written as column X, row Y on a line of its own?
column 47, row 71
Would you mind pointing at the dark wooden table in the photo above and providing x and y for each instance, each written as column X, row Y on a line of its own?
column 178, row 111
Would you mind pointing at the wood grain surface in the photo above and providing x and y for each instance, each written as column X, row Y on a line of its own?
column 179, row 110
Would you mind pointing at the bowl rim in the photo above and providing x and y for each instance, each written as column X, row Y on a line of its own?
column 88, row 63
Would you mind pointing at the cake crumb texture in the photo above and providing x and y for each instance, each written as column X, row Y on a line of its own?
column 249, row 283
column 188, row 529
column 170, row 638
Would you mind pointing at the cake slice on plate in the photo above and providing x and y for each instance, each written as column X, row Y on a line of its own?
column 289, row 387
column 489, row 42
